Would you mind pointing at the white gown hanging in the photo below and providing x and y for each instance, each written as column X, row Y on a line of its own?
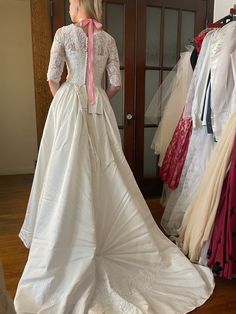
column 192, row 240
column 223, row 82
column 200, row 215
column 169, row 98
column 218, row 48
column 94, row 246
column 200, row 146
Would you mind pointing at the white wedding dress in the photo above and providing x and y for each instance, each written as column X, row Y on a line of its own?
column 94, row 246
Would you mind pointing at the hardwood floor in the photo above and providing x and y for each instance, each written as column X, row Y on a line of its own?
column 14, row 193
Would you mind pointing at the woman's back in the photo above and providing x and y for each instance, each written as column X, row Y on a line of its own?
column 71, row 45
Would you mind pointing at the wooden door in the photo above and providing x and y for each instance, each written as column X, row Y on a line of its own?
column 164, row 28
column 41, row 44
column 119, row 21
column 150, row 35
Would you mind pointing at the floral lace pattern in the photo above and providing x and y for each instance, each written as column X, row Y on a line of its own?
column 57, row 58
column 200, row 147
column 70, row 45
column 175, row 156
column 116, row 294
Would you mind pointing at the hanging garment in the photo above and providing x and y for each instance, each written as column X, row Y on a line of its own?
column 232, row 104
column 200, row 215
column 206, row 112
column 200, row 147
column 190, row 169
column 213, row 46
column 174, row 106
column 155, row 110
column 223, row 82
column 196, row 158
column 176, row 153
column 175, row 156
column 218, row 44
column 199, row 40
column 198, row 76
column 94, row 246
column 222, row 249
column 193, row 58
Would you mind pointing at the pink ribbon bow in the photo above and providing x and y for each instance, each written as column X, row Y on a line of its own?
column 91, row 23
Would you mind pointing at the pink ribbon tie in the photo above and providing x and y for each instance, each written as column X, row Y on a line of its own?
column 91, row 23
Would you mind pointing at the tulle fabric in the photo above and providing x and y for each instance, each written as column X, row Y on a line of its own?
column 168, row 103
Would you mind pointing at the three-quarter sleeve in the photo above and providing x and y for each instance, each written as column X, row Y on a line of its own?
column 113, row 65
column 57, row 58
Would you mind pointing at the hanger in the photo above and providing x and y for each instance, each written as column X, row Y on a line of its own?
column 233, row 13
column 215, row 25
column 218, row 24
column 225, row 20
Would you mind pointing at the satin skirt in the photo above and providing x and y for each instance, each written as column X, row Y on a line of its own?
column 94, row 246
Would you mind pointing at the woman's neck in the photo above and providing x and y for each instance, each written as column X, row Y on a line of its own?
column 79, row 18
column 81, row 15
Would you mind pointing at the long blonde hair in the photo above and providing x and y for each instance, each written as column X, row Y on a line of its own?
column 93, row 8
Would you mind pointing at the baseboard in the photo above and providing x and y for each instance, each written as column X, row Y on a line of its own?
column 17, row 171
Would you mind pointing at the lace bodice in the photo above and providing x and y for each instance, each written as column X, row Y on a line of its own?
column 70, row 45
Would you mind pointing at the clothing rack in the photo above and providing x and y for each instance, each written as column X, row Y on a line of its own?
column 228, row 18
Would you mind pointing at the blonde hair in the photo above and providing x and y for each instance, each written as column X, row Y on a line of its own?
column 93, row 8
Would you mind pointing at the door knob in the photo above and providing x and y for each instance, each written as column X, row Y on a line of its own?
column 129, row 116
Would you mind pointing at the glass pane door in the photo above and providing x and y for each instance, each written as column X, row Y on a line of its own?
column 164, row 29
column 114, row 20
column 160, row 59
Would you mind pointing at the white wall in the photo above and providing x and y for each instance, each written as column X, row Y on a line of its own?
column 18, row 142
column 222, row 8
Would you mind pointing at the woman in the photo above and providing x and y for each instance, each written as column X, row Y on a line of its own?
column 94, row 246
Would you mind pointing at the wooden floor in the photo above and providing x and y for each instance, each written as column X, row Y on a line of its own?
column 14, row 193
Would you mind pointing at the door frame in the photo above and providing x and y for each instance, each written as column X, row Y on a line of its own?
column 41, row 45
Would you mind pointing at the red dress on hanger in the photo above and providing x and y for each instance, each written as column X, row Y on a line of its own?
column 176, row 153
column 175, row 156
column 222, row 249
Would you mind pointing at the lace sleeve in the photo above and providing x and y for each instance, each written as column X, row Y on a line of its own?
column 113, row 65
column 57, row 58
